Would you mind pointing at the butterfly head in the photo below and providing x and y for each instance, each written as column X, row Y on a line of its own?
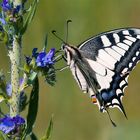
column 68, row 48
column 70, row 52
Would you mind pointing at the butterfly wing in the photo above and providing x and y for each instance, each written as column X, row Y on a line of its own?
column 116, row 52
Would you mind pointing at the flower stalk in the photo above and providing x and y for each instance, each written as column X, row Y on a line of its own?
column 15, row 55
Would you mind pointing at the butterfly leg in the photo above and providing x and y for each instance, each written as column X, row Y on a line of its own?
column 61, row 69
column 113, row 123
column 58, row 58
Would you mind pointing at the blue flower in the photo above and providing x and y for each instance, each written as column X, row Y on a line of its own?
column 34, row 52
column 9, row 124
column 44, row 59
column 17, row 9
column 6, row 5
column 18, row 120
column 49, row 56
column 2, row 21
column 9, row 88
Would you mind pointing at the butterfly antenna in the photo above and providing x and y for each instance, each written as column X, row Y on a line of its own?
column 54, row 33
column 113, row 123
column 68, row 21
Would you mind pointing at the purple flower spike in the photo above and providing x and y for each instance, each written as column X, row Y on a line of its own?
column 9, row 124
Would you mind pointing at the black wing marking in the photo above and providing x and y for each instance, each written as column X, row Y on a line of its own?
column 118, row 51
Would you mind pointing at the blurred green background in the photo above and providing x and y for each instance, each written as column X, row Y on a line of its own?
column 75, row 117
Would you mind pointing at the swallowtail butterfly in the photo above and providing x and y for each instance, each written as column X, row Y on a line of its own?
column 101, row 65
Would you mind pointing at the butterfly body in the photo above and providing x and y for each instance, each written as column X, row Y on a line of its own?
column 101, row 65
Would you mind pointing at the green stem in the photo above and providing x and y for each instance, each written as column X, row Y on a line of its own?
column 15, row 55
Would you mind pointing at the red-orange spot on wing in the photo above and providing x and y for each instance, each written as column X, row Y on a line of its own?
column 94, row 100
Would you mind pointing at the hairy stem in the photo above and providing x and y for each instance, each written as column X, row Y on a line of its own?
column 15, row 55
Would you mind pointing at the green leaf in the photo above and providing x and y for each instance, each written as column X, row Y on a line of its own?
column 3, row 94
column 30, row 16
column 1, row 98
column 3, row 136
column 46, row 42
column 49, row 130
column 32, row 77
column 26, row 68
column 2, row 82
column 33, row 63
column 3, row 36
column 33, row 107
column 33, row 137
column 0, row 6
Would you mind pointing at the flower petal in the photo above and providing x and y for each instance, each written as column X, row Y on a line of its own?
column 40, row 59
column 34, row 52
column 5, row 5
column 7, row 125
column 9, row 89
column 18, row 120
column 2, row 21
column 51, row 53
column 49, row 57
